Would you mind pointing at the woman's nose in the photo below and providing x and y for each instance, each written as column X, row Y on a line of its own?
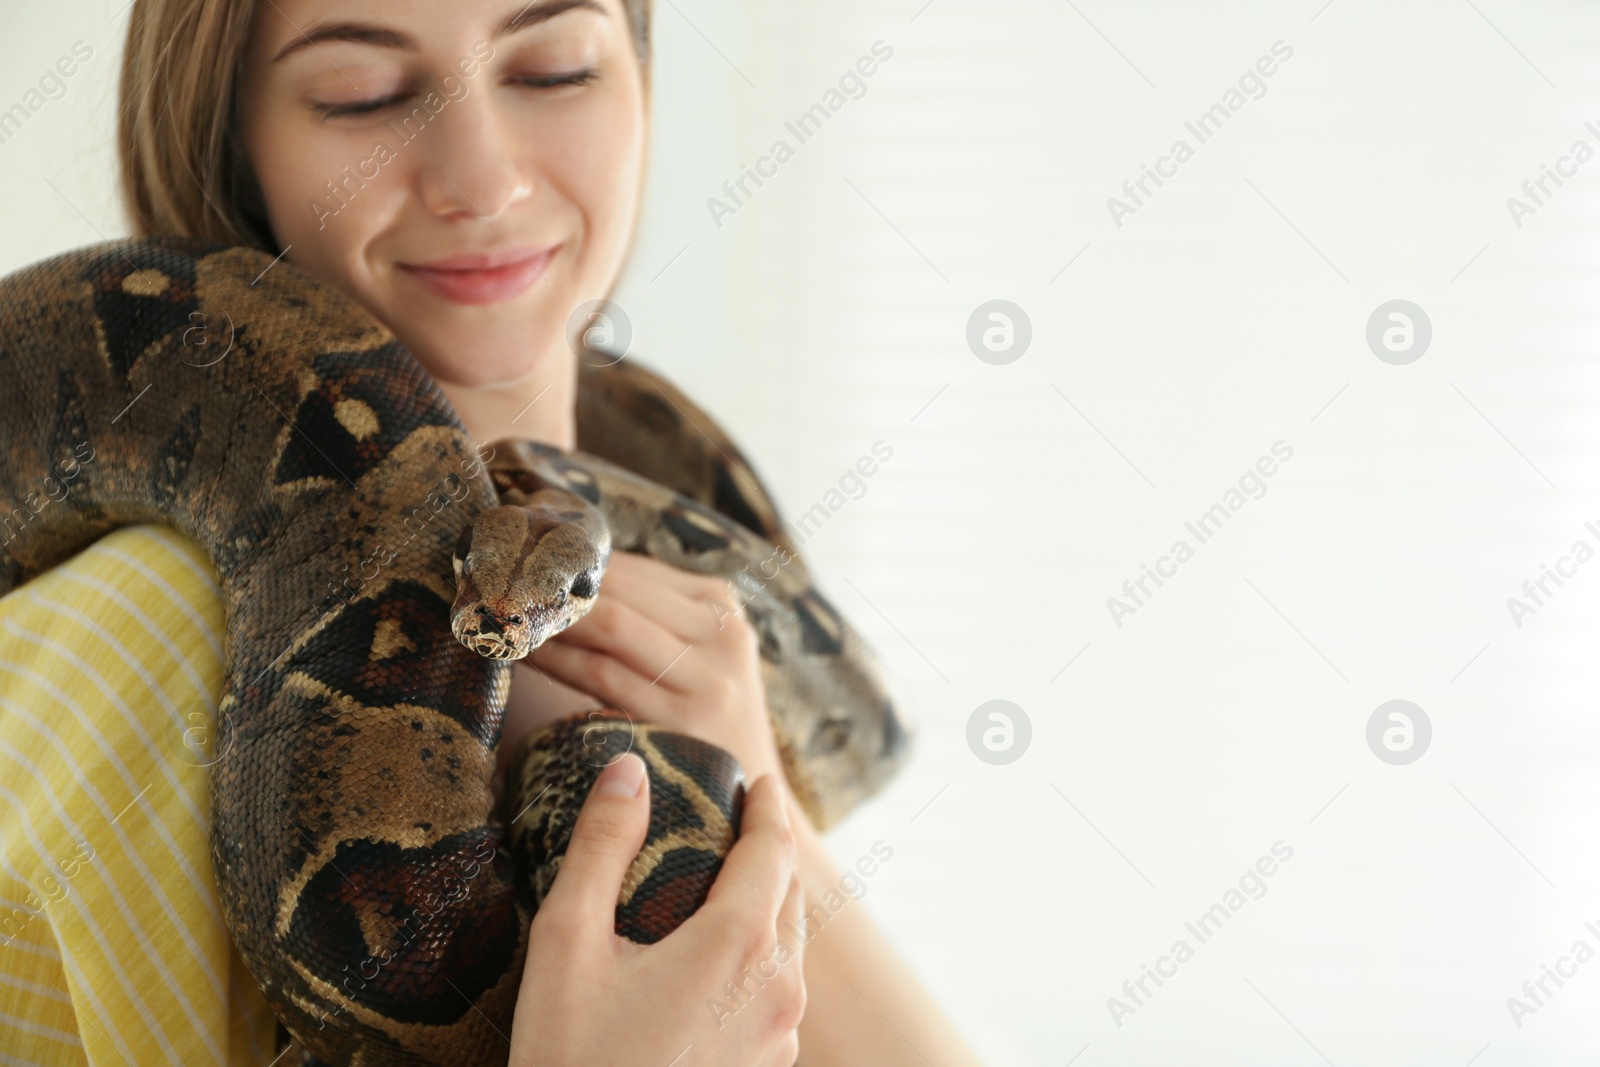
column 470, row 162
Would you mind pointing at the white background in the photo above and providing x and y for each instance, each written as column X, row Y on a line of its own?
column 1228, row 313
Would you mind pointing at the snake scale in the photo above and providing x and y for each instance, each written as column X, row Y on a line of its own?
column 372, row 887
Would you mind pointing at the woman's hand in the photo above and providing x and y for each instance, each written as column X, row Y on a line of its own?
column 674, row 649
column 648, row 613
column 589, row 996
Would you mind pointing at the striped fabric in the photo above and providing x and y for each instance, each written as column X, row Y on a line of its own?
column 112, row 947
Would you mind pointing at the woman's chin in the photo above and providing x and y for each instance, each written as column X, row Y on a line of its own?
column 486, row 363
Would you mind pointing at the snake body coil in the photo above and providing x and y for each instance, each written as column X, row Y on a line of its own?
column 363, row 871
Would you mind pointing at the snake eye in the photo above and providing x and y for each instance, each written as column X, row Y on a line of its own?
column 515, row 620
column 583, row 585
column 831, row 735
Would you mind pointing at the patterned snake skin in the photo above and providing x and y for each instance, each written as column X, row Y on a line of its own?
column 372, row 889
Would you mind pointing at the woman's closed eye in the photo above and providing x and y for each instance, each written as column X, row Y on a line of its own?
column 323, row 111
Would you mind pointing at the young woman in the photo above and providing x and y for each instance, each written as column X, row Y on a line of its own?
column 470, row 172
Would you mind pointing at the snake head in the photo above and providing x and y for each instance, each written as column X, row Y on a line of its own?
column 524, row 575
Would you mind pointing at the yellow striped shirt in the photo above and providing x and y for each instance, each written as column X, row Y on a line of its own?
column 112, row 946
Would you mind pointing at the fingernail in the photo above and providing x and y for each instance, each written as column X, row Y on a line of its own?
column 622, row 778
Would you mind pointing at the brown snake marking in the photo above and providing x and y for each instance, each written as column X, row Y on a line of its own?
column 359, row 859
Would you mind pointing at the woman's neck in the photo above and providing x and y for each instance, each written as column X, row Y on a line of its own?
column 541, row 407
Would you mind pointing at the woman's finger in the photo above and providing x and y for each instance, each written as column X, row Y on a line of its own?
column 622, row 631
column 609, row 680
column 673, row 597
column 791, row 921
column 755, row 875
column 689, row 583
column 610, row 830
column 617, row 685
column 605, row 678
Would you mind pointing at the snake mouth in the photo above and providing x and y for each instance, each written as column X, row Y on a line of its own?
column 495, row 635
column 512, row 629
column 494, row 649
column 511, row 634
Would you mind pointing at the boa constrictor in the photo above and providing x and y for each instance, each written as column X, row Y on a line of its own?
column 363, row 868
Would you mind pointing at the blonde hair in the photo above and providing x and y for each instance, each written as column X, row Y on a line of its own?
column 183, row 166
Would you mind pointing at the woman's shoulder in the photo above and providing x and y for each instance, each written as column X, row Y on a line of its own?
column 634, row 416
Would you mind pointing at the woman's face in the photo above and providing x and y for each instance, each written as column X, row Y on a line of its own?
column 468, row 170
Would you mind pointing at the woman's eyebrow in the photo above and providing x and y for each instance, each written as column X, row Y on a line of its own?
column 383, row 37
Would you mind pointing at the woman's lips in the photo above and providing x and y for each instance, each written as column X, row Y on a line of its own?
column 482, row 279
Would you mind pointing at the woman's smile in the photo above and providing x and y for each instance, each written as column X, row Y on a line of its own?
column 483, row 277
